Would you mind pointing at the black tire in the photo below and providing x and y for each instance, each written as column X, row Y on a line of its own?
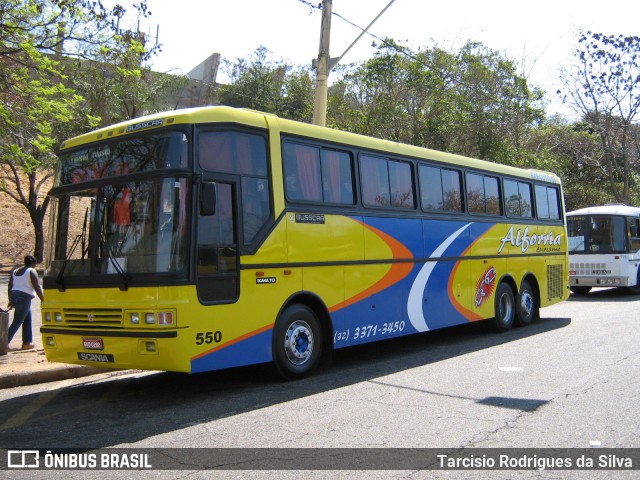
column 580, row 290
column 527, row 305
column 297, row 342
column 505, row 310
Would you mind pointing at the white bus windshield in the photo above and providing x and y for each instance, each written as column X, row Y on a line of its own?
column 597, row 234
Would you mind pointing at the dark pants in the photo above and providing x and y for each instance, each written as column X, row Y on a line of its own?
column 21, row 315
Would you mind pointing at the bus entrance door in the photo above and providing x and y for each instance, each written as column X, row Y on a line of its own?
column 217, row 246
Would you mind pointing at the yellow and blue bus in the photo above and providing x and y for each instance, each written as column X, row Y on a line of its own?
column 214, row 237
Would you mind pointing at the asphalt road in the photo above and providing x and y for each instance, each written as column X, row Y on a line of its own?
column 571, row 380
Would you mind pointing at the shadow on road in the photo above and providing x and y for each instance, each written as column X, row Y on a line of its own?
column 98, row 414
column 605, row 294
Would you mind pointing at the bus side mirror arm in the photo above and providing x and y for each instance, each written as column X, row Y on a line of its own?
column 207, row 199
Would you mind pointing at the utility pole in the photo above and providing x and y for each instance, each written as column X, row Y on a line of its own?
column 322, row 67
column 325, row 63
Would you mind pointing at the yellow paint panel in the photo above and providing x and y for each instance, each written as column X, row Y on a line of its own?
column 339, row 238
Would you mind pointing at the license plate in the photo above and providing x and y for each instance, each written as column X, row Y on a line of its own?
column 92, row 343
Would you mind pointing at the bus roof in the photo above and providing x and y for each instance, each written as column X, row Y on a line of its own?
column 610, row 209
column 223, row 114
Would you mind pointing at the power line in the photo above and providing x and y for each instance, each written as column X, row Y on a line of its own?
column 386, row 43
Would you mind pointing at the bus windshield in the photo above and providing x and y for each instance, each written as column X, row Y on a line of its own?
column 144, row 153
column 115, row 215
column 597, row 234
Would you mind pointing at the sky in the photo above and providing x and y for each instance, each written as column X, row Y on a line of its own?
column 540, row 36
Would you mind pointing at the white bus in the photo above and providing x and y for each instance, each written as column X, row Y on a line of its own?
column 604, row 248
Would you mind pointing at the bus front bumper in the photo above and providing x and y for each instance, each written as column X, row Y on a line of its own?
column 115, row 349
column 575, row 281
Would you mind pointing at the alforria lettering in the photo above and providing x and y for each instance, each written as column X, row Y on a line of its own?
column 525, row 241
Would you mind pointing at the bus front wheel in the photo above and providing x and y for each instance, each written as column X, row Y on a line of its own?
column 505, row 309
column 297, row 342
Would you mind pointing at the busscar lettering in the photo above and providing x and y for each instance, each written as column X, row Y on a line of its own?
column 317, row 219
column 151, row 123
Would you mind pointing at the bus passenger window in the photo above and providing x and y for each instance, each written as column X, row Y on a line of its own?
column 517, row 199
column 318, row 175
column 483, row 194
column 337, row 177
column 386, row 183
column 452, row 190
column 375, row 182
column 401, row 185
column 440, row 189
column 431, row 188
column 547, row 202
column 302, row 170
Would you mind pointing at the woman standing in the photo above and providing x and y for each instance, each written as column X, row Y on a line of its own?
column 23, row 286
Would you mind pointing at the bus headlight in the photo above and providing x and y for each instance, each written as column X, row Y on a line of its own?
column 163, row 318
column 58, row 317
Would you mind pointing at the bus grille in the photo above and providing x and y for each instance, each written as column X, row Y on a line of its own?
column 555, row 274
column 93, row 317
column 586, row 269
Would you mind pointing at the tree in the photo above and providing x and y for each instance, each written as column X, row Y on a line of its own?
column 565, row 148
column 603, row 88
column 40, row 105
column 269, row 86
column 471, row 102
column 119, row 85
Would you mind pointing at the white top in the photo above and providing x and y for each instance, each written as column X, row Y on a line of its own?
column 22, row 282
column 611, row 209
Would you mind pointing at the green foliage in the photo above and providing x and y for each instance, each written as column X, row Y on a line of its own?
column 471, row 102
column 565, row 148
column 261, row 83
column 603, row 87
column 118, row 84
column 40, row 103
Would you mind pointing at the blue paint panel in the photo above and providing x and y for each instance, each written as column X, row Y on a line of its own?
column 380, row 316
column 256, row 349
column 406, row 231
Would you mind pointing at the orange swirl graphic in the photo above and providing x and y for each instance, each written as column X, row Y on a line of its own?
column 397, row 272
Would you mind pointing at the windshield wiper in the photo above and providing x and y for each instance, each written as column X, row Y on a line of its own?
column 80, row 238
column 104, row 244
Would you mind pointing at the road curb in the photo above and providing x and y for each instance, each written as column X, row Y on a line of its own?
column 21, row 379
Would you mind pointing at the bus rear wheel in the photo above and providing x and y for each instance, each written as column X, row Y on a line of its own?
column 527, row 307
column 505, row 309
column 297, row 342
